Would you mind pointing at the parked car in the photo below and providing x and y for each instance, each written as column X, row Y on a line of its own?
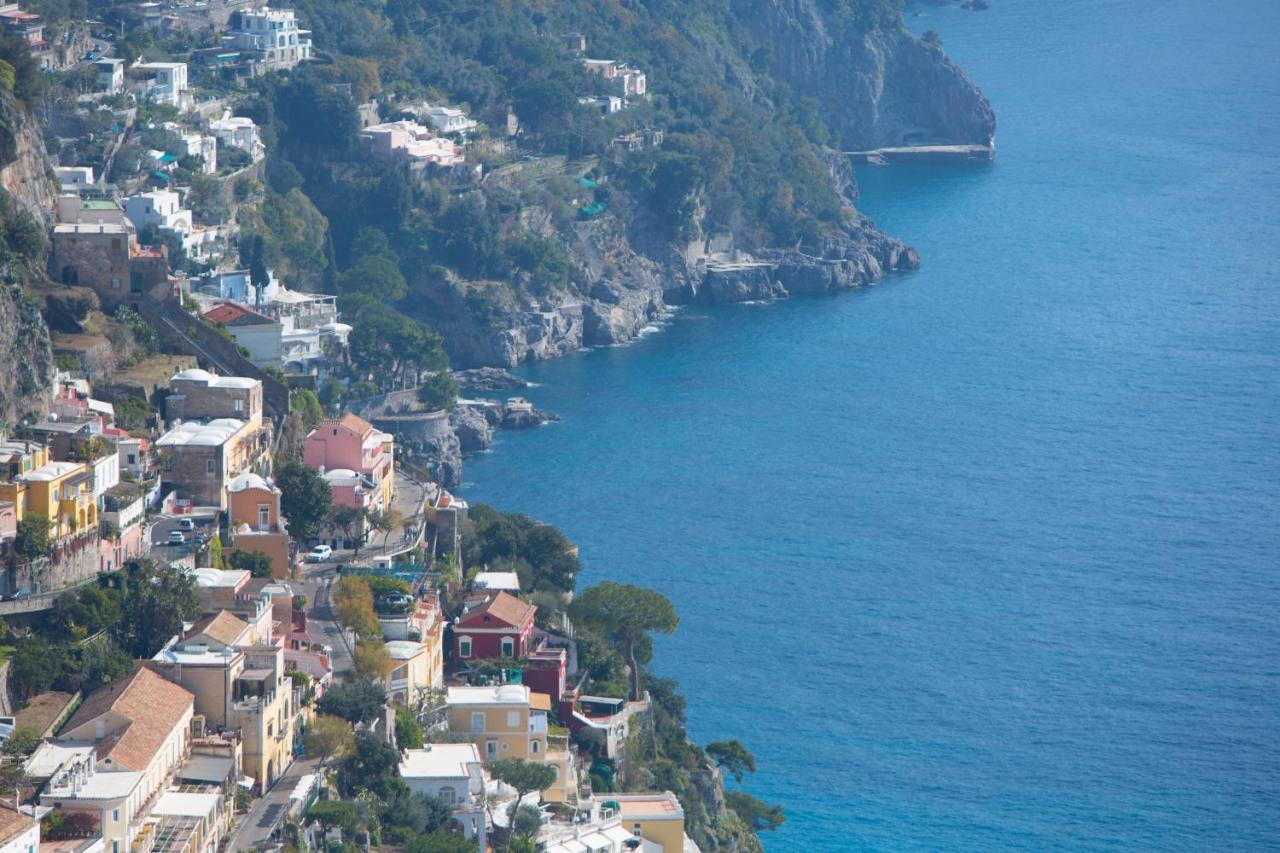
column 186, row 524
column 177, row 537
column 19, row 595
column 319, row 554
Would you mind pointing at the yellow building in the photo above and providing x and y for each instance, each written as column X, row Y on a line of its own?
column 61, row 492
column 510, row 721
column 256, row 522
column 239, row 684
column 19, row 458
column 655, row 817
column 412, row 670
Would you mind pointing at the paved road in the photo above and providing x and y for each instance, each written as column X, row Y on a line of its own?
column 268, row 812
column 267, row 815
column 316, row 582
column 164, row 524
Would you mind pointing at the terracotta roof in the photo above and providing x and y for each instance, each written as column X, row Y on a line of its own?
column 355, row 423
column 153, row 707
column 13, row 824
column 42, row 711
column 229, row 312
column 540, row 701
column 505, row 607
column 223, row 626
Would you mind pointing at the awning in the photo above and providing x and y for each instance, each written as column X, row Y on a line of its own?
column 206, row 768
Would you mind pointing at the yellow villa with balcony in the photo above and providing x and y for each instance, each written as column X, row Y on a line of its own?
column 60, row 491
column 510, row 721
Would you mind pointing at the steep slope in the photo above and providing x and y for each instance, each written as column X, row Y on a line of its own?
column 876, row 86
column 24, row 336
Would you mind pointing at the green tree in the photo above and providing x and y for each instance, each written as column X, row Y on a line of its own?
column 33, row 536
column 408, row 729
column 304, row 499
column 441, row 841
column 372, row 767
column 132, row 413
column 352, row 603
column 306, row 405
column 376, row 277
column 354, row 701
column 439, row 391
column 22, row 742
column 349, row 520
column 256, row 563
column 35, row 666
column 329, row 738
column 335, row 813
column 625, row 614
column 733, row 757
column 526, row 821
column 525, row 776
column 155, row 601
column 370, row 659
column 760, row 816
column 102, row 662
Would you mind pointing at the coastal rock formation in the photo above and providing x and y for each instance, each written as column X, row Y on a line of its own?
column 882, row 87
column 486, row 379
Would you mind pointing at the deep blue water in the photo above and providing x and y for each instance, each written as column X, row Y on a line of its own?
column 984, row 557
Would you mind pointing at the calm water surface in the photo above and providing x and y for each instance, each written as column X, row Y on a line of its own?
column 984, row 557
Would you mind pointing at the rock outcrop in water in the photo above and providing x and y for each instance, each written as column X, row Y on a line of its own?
column 882, row 87
column 875, row 85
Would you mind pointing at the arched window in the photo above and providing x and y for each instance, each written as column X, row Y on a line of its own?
column 448, row 795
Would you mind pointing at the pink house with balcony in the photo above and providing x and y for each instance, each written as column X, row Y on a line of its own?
column 351, row 444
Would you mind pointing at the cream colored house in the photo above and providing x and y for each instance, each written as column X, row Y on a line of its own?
column 140, row 725
column 510, row 721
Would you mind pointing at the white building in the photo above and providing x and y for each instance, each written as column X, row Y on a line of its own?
column 163, row 210
column 110, row 74
column 74, row 178
column 165, row 82
column 448, row 120
column 239, row 132
column 410, row 141
column 271, row 37
column 194, row 144
column 454, row 774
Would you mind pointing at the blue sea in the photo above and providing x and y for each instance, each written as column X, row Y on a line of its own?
column 985, row 557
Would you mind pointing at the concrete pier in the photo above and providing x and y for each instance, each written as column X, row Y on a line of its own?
column 924, row 154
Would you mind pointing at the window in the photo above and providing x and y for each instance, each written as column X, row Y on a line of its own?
column 508, row 647
column 477, row 721
column 208, row 466
column 447, row 795
column 464, row 647
column 115, row 815
column 264, row 516
column 239, row 406
column 533, row 746
column 115, row 282
column 505, row 746
column 491, row 749
column 513, row 719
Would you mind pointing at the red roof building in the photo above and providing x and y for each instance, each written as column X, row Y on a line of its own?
column 495, row 626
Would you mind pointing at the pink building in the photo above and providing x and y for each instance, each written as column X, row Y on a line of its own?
column 351, row 444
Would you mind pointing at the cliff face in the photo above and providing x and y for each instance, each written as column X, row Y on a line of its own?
column 26, row 352
column 881, row 87
column 24, row 336
column 24, row 164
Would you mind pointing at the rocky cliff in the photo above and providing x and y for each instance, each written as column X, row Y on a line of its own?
column 26, row 353
column 876, row 87
column 24, row 336
column 24, row 165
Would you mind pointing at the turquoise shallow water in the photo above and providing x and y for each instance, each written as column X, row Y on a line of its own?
column 984, row 557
